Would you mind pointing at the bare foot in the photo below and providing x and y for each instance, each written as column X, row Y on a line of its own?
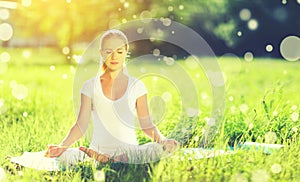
column 170, row 145
column 104, row 158
column 121, row 158
column 95, row 155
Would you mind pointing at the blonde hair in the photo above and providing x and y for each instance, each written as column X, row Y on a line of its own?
column 110, row 34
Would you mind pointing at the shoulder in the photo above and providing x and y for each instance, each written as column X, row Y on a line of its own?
column 137, row 87
column 87, row 87
column 135, row 82
column 90, row 81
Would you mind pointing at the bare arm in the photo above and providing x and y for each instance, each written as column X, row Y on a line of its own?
column 148, row 127
column 81, row 124
column 76, row 131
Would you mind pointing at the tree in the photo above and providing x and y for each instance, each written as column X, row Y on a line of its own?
column 222, row 25
column 69, row 21
column 210, row 19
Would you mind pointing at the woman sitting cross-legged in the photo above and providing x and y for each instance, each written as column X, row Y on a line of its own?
column 113, row 98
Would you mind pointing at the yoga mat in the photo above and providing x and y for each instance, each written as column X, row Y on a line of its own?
column 201, row 153
column 36, row 160
column 267, row 148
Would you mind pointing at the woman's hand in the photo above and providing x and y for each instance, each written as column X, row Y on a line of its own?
column 55, row 150
column 169, row 144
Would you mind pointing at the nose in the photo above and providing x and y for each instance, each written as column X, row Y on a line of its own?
column 114, row 55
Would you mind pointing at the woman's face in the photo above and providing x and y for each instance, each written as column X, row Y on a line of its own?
column 114, row 53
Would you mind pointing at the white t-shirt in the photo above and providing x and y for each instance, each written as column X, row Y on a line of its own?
column 114, row 122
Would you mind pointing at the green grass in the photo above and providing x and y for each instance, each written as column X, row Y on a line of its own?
column 268, row 88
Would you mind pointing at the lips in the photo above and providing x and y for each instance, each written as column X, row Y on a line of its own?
column 114, row 62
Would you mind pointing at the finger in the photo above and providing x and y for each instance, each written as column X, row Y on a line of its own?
column 52, row 149
column 49, row 154
column 89, row 152
column 46, row 154
column 85, row 150
column 176, row 143
column 51, row 146
column 52, row 152
column 82, row 148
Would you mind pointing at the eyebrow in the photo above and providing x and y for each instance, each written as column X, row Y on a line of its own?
column 113, row 49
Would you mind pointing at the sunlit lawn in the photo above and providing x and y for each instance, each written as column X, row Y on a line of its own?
column 262, row 104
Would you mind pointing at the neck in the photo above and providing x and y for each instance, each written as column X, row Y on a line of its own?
column 112, row 74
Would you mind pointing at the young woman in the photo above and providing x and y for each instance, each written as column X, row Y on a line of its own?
column 113, row 98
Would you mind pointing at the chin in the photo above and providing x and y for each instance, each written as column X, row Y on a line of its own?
column 114, row 69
